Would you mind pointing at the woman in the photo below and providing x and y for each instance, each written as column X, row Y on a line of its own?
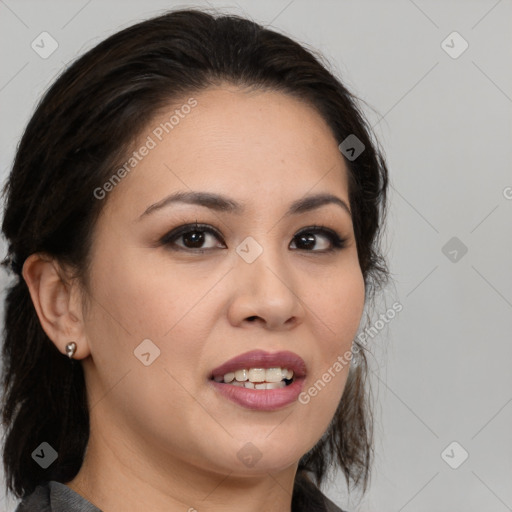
column 193, row 220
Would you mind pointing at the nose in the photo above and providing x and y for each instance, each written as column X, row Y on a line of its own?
column 265, row 292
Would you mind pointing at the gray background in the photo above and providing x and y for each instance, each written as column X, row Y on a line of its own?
column 441, row 371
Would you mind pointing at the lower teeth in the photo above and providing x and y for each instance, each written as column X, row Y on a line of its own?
column 261, row 385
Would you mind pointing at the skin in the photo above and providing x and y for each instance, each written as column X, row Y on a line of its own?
column 161, row 438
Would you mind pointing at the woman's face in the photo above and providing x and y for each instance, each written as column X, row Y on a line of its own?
column 166, row 311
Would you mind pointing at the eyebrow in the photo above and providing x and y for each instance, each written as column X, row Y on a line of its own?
column 222, row 203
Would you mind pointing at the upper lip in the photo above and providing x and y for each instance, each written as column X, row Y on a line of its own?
column 262, row 359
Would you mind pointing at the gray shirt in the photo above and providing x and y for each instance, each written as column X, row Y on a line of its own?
column 57, row 497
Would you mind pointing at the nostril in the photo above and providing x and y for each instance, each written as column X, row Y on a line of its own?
column 252, row 318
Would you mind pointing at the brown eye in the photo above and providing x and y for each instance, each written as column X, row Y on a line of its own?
column 193, row 237
column 308, row 238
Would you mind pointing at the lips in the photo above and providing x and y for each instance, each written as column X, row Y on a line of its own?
column 262, row 359
column 261, row 399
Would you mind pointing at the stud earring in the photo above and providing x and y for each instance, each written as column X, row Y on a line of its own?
column 71, row 349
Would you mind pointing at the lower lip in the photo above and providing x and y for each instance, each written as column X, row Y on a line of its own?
column 261, row 399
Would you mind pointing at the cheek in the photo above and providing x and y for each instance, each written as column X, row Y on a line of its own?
column 134, row 301
column 140, row 300
column 337, row 309
column 340, row 307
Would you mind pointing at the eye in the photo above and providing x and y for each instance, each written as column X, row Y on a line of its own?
column 193, row 237
column 308, row 238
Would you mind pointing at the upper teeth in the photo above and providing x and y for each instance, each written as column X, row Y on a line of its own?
column 256, row 375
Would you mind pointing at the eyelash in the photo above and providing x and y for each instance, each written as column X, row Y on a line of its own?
column 337, row 242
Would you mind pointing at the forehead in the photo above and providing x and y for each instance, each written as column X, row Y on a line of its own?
column 254, row 144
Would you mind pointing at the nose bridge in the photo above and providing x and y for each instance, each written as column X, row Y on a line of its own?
column 262, row 258
column 265, row 284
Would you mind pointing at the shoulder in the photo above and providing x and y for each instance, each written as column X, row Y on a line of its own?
column 307, row 497
column 37, row 501
column 54, row 496
column 330, row 506
column 57, row 497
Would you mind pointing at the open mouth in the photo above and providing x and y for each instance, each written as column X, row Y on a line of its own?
column 261, row 380
column 257, row 378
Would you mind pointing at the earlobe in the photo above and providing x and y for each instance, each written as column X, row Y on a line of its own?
column 57, row 305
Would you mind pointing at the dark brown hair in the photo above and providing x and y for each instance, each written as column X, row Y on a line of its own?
column 77, row 136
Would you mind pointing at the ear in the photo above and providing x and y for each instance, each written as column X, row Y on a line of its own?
column 57, row 302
